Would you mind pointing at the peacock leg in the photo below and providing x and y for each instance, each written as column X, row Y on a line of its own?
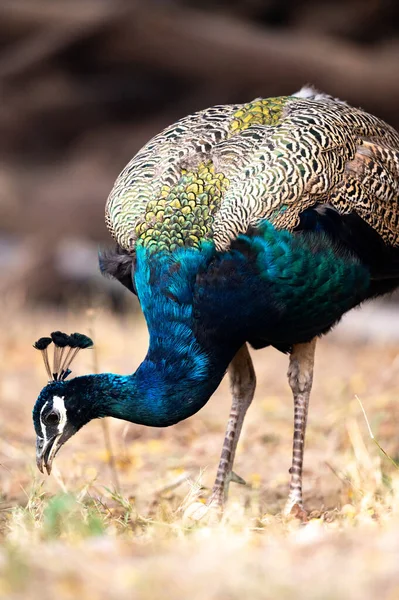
column 300, row 377
column 242, row 384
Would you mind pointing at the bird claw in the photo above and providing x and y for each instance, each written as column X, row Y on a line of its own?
column 297, row 512
column 211, row 512
column 237, row 479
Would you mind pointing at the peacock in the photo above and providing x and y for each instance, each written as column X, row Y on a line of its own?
column 255, row 224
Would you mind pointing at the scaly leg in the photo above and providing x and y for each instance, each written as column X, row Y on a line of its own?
column 242, row 384
column 300, row 377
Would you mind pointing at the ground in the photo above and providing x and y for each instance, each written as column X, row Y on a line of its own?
column 92, row 531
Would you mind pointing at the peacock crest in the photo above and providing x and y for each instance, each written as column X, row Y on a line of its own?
column 66, row 347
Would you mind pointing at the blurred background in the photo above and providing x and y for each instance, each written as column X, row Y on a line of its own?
column 85, row 83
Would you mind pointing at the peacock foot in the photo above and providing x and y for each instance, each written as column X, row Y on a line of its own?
column 212, row 510
column 296, row 510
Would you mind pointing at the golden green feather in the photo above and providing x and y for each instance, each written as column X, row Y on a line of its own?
column 183, row 213
column 268, row 111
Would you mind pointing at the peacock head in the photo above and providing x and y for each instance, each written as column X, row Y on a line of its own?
column 57, row 414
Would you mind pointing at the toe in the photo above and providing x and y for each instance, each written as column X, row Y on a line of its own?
column 297, row 512
column 209, row 513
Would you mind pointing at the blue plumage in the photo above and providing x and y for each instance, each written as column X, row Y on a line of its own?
column 270, row 288
column 202, row 305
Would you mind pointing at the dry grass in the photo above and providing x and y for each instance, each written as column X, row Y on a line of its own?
column 74, row 535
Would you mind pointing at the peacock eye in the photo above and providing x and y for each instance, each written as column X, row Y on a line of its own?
column 52, row 418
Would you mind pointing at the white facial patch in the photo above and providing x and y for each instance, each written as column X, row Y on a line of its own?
column 44, row 436
column 59, row 405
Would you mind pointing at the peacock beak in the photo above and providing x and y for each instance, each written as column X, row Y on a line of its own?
column 46, row 451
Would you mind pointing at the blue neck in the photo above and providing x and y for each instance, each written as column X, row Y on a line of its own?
column 178, row 375
column 146, row 398
column 174, row 381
